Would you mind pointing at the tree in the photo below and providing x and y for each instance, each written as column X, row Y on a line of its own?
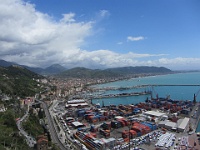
column 54, row 147
column 9, row 119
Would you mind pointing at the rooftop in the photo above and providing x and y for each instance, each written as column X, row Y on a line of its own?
column 76, row 123
column 154, row 113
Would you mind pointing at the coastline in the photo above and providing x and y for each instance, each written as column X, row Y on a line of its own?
column 138, row 76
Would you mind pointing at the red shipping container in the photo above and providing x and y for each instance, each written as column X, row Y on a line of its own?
column 105, row 113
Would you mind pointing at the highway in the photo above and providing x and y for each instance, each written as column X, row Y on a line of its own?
column 64, row 133
column 52, row 130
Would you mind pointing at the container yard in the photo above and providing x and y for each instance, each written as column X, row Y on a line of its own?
column 156, row 124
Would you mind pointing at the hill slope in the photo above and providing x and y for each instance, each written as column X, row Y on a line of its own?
column 16, row 80
column 53, row 69
column 139, row 70
column 4, row 63
column 81, row 72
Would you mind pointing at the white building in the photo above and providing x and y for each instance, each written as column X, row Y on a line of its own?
column 182, row 124
column 156, row 115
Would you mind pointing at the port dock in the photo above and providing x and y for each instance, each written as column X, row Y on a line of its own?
column 140, row 86
column 120, row 95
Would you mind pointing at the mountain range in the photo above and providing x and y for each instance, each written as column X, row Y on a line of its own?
column 20, row 80
column 81, row 72
column 53, row 69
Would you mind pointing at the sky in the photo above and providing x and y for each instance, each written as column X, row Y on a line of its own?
column 101, row 33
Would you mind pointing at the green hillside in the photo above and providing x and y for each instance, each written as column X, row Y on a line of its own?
column 81, row 72
column 139, row 70
column 15, row 80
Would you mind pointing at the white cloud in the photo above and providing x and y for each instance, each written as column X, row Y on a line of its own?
column 32, row 38
column 104, row 13
column 24, row 30
column 120, row 43
column 138, row 38
column 180, row 63
column 68, row 18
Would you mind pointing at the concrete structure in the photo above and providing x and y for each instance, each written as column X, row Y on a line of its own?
column 42, row 142
column 182, row 124
column 77, row 124
column 76, row 105
column 75, row 101
column 162, row 124
column 167, row 124
column 154, row 113
column 170, row 125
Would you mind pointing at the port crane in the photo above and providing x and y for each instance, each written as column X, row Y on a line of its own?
column 153, row 91
column 195, row 95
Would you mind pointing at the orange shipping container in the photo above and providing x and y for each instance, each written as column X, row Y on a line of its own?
column 126, row 140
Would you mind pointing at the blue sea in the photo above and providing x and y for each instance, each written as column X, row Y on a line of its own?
column 175, row 92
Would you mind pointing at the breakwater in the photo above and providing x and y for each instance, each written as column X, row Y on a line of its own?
column 120, row 95
column 140, row 86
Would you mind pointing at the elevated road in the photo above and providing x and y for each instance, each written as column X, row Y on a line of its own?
column 52, row 129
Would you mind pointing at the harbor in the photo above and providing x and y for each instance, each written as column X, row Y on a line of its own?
column 98, row 96
column 123, row 127
column 123, row 119
column 141, row 86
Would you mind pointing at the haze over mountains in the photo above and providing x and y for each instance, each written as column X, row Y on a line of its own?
column 81, row 72
column 53, row 69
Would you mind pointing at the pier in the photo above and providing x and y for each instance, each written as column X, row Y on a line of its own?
column 120, row 95
column 173, row 85
column 141, row 86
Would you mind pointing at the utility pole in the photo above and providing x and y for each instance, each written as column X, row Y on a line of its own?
column 129, row 134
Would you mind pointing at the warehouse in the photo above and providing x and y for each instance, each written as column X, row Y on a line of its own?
column 77, row 125
column 167, row 124
column 170, row 125
column 182, row 124
column 154, row 115
column 76, row 105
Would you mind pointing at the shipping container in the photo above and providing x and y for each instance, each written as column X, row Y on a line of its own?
column 148, row 125
column 105, row 113
column 105, row 133
column 126, row 140
column 93, row 129
column 106, row 125
column 115, row 124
